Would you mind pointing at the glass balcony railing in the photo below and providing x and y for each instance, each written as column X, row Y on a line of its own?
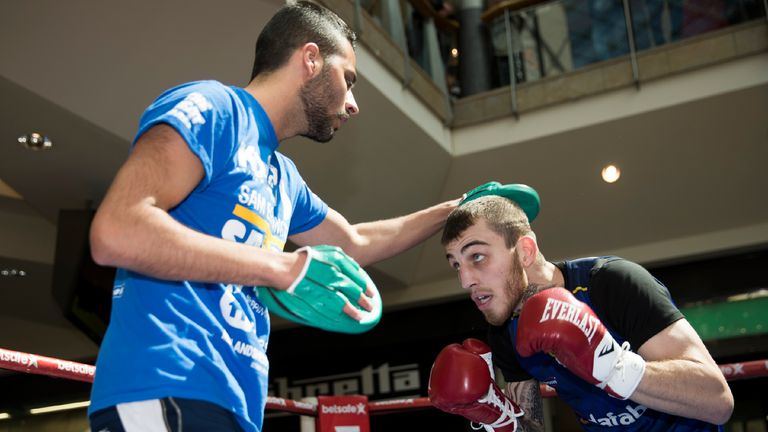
column 477, row 46
column 424, row 29
column 560, row 36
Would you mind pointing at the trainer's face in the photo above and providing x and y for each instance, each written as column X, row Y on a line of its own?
column 327, row 98
column 489, row 270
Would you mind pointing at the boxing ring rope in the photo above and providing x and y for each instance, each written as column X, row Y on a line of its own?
column 41, row 365
column 374, row 407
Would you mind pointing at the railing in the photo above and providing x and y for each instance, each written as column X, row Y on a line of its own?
column 553, row 37
column 527, row 40
column 58, row 368
column 425, row 29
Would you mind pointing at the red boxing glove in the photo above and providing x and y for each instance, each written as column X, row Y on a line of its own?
column 483, row 350
column 461, row 382
column 554, row 321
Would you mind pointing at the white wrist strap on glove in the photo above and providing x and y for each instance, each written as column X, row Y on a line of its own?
column 626, row 374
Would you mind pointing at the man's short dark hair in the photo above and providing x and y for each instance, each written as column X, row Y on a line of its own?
column 503, row 216
column 295, row 25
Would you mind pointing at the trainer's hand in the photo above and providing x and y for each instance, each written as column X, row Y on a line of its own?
column 332, row 292
column 479, row 191
column 461, row 382
column 555, row 322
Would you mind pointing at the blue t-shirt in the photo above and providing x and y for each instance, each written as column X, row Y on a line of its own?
column 208, row 341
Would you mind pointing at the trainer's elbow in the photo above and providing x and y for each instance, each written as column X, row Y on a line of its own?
column 358, row 248
column 104, row 239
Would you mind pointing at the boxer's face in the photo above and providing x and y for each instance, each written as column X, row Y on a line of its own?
column 327, row 98
column 489, row 270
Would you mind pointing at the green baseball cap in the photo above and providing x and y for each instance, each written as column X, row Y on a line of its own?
column 523, row 195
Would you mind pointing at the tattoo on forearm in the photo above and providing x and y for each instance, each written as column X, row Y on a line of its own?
column 528, row 397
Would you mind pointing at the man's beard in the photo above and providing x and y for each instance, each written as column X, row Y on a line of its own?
column 315, row 96
column 517, row 285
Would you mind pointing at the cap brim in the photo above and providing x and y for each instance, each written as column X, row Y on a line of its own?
column 525, row 196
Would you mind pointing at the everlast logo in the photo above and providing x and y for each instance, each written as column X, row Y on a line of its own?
column 560, row 310
column 620, row 419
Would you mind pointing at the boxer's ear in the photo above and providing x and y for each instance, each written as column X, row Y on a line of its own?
column 527, row 250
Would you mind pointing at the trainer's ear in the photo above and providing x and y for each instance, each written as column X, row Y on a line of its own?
column 311, row 59
column 527, row 250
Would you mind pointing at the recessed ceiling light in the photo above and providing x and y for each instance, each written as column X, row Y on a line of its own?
column 12, row 273
column 611, row 173
column 35, row 141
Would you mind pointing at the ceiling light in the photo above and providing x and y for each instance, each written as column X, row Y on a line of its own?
column 4, row 416
column 35, row 141
column 12, row 273
column 611, row 173
column 62, row 407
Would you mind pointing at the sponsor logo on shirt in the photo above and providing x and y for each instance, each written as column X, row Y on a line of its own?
column 190, row 110
column 256, row 353
column 118, row 291
column 631, row 415
column 266, row 234
column 249, row 159
column 551, row 381
column 235, row 315
column 232, row 312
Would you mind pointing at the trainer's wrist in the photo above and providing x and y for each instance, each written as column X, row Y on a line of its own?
column 287, row 267
column 305, row 256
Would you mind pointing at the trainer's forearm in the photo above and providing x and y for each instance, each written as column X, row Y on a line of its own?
column 685, row 388
column 382, row 239
column 147, row 240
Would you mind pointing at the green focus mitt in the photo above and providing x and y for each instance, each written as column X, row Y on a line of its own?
column 328, row 282
column 525, row 196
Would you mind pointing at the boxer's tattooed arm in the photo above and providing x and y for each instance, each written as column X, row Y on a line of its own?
column 527, row 396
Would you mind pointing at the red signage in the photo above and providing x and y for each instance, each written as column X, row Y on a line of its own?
column 342, row 414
